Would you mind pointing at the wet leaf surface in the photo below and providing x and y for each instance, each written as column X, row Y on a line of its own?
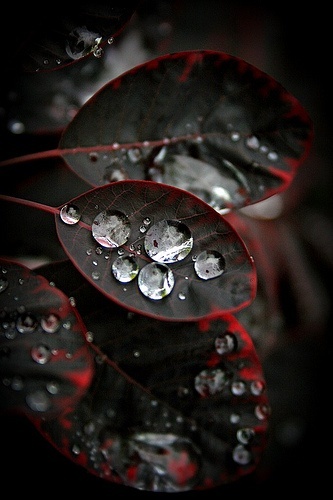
column 51, row 40
column 46, row 364
column 157, row 250
column 172, row 408
column 203, row 121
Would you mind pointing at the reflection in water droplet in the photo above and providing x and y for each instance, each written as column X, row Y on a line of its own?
column 245, row 435
column 3, row 284
column 41, row 354
column 257, row 387
column 156, row 280
column 225, row 343
column 125, row 268
column 210, row 381
column 241, row 455
column 238, row 388
column 26, row 323
column 209, row 264
column 81, row 42
column 38, row 401
column 70, row 214
column 262, row 412
column 111, row 229
column 168, row 241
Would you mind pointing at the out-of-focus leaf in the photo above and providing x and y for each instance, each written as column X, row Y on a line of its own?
column 46, row 363
column 50, row 39
column 157, row 250
column 172, row 408
column 202, row 120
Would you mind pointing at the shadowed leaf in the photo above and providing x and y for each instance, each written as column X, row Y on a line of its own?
column 46, row 364
column 203, row 121
column 172, row 408
column 157, row 250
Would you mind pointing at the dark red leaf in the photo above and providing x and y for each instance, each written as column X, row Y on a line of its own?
column 52, row 39
column 202, row 120
column 171, row 408
column 46, row 362
column 205, row 240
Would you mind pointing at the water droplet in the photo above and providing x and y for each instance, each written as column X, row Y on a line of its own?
column 89, row 336
column 262, row 412
column 181, row 296
column 257, row 387
column 41, row 354
column 81, row 42
column 111, row 229
column 76, row 450
column 210, row 381
column 70, row 214
column 238, row 388
column 26, row 323
column 95, row 275
column 209, row 264
column 235, row 136
column 3, row 283
column 134, row 154
column 245, row 435
column 155, row 280
column 16, row 127
column 234, row 418
column 38, row 401
column 125, row 268
column 252, row 142
column 273, row 156
column 110, row 40
column 241, row 455
column 52, row 387
column 225, row 343
column 168, row 241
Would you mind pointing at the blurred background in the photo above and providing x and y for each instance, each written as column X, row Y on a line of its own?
column 290, row 44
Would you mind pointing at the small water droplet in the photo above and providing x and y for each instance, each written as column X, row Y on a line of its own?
column 241, row 455
column 134, row 154
column 245, row 435
column 252, row 142
column 225, row 343
column 26, row 323
column 257, row 387
column 210, row 381
column 234, row 418
column 52, row 387
column 50, row 323
column 3, row 283
column 125, row 268
column 209, row 264
column 89, row 336
column 70, row 214
column 168, row 241
column 181, row 296
column 38, row 401
column 238, row 388
column 110, row 40
column 41, row 354
column 111, row 229
column 262, row 412
column 155, row 280
column 273, row 156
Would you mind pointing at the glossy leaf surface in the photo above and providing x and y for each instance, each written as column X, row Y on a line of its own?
column 172, row 408
column 46, row 364
column 144, row 206
column 203, row 121
column 52, row 39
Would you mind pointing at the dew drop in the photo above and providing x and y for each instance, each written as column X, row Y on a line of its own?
column 238, row 388
column 245, row 435
column 111, row 229
column 156, row 280
column 168, row 241
column 252, row 142
column 26, row 323
column 52, row 388
column 41, row 354
column 3, row 284
column 125, row 268
column 257, row 387
column 38, row 401
column 95, row 275
column 81, row 42
column 70, row 214
column 210, row 381
column 241, row 455
column 181, row 296
column 262, row 412
column 225, row 343
column 209, row 264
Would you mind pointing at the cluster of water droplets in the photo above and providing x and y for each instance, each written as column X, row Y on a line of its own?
column 166, row 242
column 214, row 380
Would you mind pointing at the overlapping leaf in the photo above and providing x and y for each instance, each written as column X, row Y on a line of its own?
column 227, row 282
column 202, row 120
column 52, row 39
column 171, row 409
column 46, row 363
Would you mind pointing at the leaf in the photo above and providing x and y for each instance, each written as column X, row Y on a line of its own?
column 171, row 409
column 201, row 120
column 183, row 231
column 46, row 363
column 52, row 41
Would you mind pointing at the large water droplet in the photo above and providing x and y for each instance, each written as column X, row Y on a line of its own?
column 125, row 268
column 209, row 264
column 210, row 381
column 111, row 229
column 70, row 214
column 81, row 42
column 41, row 354
column 156, row 280
column 168, row 241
